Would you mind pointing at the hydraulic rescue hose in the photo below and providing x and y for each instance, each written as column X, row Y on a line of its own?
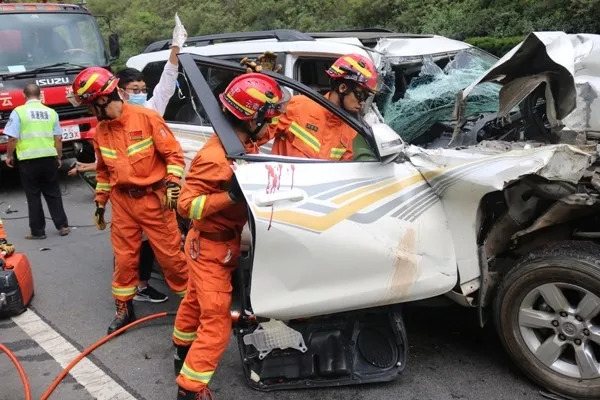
column 87, row 351
column 19, row 369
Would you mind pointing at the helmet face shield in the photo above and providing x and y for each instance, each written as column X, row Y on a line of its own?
column 75, row 100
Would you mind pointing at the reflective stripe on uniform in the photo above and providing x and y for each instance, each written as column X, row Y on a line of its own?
column 49, row 134
column 175, row 170
column 305, row 136
column 189, row 373
column 184, row 336
column 197, row 207
column 139, row 146
column 128, row 291
column 274, row 120
column 26, row 154
column 101, row 186
column 182, row 293
column 108, row 152
column 337, row 153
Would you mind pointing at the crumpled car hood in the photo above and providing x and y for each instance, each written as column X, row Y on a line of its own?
column 568, row 63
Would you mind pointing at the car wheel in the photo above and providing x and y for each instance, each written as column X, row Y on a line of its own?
column 547, row 315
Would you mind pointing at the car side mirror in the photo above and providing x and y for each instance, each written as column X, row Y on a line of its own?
column 113, row 46
column 388, row 141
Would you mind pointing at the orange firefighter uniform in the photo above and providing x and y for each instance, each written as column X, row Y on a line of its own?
column 308, row 130
column 212, row 248
column 137, row 153
column 2, row 233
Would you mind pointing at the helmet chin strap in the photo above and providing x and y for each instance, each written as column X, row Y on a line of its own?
column 260, row 122
column 101, row 108
column 101, row 111
column 349, row 88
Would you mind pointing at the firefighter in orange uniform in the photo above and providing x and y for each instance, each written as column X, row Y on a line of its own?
column 213, row 200
column 139, row 166
column 308, row 130
column 5, row 248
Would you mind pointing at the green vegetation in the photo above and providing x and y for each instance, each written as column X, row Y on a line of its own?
column 495, row 25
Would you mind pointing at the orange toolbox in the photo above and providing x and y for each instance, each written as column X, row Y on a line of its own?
column 16, row 284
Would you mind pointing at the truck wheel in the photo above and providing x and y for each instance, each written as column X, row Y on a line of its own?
column 547, row 315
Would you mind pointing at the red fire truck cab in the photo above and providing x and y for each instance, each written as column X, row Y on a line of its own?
column 49, row 44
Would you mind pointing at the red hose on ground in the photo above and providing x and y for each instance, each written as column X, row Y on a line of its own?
column 19, row 369
column 93, row 347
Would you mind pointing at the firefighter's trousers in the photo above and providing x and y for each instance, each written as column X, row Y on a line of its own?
column 131, row 216
column 203, row 318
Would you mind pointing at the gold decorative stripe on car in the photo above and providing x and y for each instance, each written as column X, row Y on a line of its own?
column 140, row 146
column 321, row 223
column 357, row 192
column 305, row 136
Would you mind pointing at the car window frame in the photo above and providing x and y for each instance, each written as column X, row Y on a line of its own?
column 233, row 146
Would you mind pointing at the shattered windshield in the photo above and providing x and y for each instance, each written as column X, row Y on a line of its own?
column 420, row 94
column 29, row 41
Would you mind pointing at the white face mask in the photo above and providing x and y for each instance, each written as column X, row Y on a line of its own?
column 139, row 99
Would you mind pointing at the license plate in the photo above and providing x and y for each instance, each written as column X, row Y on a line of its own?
column 71, row 132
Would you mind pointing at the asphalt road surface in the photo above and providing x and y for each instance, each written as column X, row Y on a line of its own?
column 449, row 356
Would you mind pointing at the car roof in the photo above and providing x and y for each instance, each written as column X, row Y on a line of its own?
column 321, row 46
column 331, row 44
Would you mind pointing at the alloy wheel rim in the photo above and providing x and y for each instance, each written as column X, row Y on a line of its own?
column 560, row 325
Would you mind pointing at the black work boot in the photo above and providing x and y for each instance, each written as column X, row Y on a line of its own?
column 180, row 355
column 204, row 394
column 124, row 315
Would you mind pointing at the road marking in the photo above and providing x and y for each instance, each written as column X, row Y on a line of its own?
column 87, row 374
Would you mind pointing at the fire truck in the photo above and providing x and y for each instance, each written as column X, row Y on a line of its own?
column 49, row 44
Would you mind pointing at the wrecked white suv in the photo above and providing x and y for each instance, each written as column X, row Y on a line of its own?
column 491, row 203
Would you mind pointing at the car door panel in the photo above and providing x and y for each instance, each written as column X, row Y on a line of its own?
column 355, row 235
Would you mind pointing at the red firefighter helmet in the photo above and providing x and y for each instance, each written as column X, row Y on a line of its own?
column 254, row 96
column 90, row 84
column 356, row 68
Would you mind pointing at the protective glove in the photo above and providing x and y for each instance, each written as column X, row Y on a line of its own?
column 235, row 191
column 179, row 33
column 266, row 61
column 99, row 217
column 251, row 65
column 6, row 247
column 172, row 195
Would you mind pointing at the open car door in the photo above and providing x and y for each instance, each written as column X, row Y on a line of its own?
column 335, row 236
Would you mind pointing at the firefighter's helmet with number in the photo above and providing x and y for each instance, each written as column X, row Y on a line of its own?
column 90, row 84
column 254, row 96
column 356, row 68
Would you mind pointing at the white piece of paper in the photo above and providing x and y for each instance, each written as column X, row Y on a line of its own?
column 16, row 68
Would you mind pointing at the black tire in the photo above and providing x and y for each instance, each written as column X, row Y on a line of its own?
column 574, row 263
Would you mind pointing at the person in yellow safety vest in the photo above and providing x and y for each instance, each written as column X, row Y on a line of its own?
column 5, row 247
column 34, row 132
